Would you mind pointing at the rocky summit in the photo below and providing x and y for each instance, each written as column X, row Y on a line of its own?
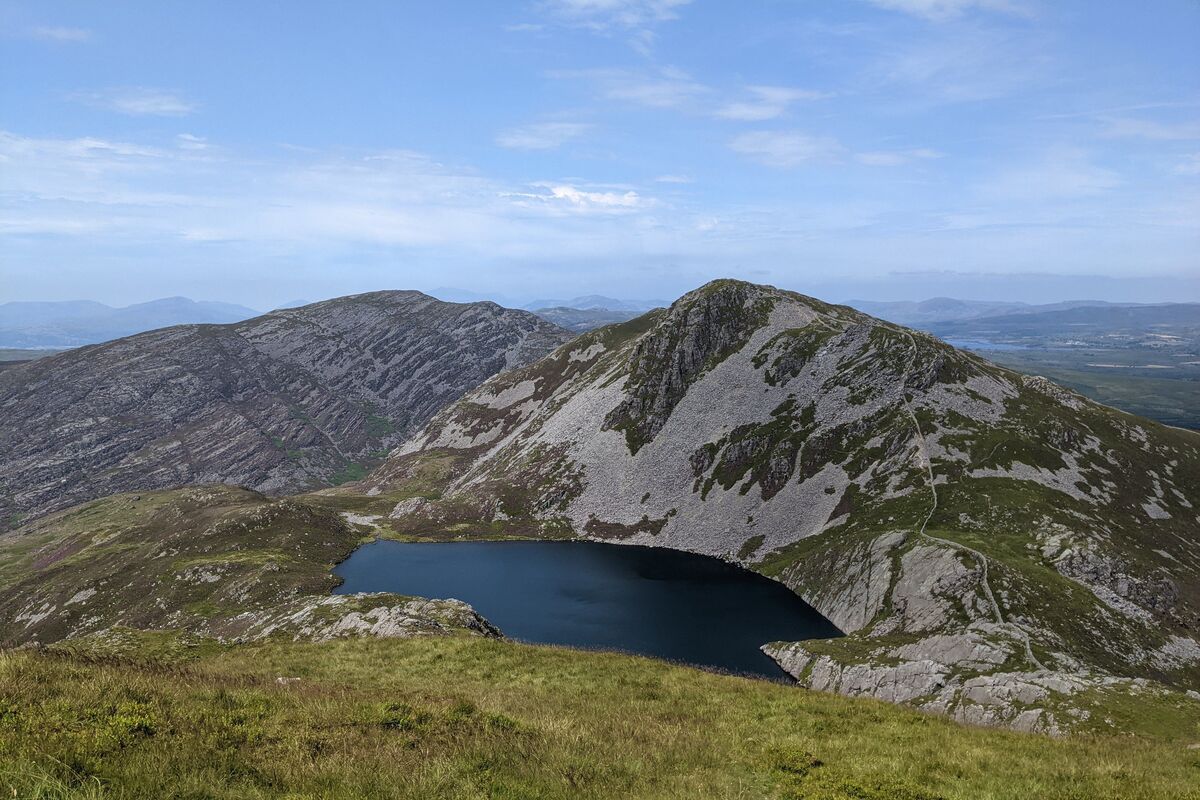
column 996, row 547
column 282, row 402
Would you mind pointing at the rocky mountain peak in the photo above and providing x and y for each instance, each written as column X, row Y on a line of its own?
column 926, row 501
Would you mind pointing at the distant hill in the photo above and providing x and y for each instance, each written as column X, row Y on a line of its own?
column 1178, row 319
column 78, row 322
column 584, row 319
column 946, row 309
column 598, row 302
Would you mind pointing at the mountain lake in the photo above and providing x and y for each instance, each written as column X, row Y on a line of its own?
column 653, row 601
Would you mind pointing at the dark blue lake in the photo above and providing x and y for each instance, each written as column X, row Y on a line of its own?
column 657, row 602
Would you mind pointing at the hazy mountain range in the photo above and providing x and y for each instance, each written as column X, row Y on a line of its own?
column 79, row 322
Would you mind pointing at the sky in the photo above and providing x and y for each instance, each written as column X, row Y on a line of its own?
column 266, row 152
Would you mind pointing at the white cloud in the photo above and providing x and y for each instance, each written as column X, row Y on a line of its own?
column 768, row 102
column 576, row 200
column 666, row 88
column 541, row 136
column 895, row 158
column 946, row 9
column 785, row 148
column 605, row 14
column 51, row 33
column 636, row 18
column 1190, row 165
column 1130, row 128
column 965, row 64
column 138, row 101
column 110, row 193
column 186, row 141
column 1057, row 175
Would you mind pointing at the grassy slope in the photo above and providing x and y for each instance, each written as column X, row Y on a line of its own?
column 461, row 717
column 184, row 558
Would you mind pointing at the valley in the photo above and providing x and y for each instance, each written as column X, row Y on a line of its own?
column 996, row 549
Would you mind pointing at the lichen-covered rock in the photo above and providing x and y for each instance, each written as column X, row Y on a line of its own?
column 364, row 614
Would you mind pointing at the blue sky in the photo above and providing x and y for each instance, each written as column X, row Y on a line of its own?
column 884, row 149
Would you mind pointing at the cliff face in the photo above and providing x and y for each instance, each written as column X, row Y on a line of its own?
column 909, row 491
column 289, row 400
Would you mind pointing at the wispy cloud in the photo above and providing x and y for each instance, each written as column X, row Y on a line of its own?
column 605, row 14
column 1133, row 128
column 674, row 179
column 53, row 33
column 895, row 158
column 541, row 135
column 785, row 149
column 948, row 9
column 187, row 141
column 577, row 200
column 665, row 88
column 1059, row 174
column 138, row 101
column 1190, row 165
column 767, row 102
column 635, row 18
column 115, row 191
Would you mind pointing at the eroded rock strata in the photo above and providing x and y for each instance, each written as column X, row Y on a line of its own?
column 282, row 402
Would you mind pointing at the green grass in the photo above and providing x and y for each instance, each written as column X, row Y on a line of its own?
column 1169, row 394
column 464, row 718
column 351, row 472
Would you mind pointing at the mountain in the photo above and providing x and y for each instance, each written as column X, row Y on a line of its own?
column 73, row 323
column 292, row 399
column 921, row 314
column 936, row 309
column 995, row 547
column 583, row 319
column 1102, row 323
column 597, row 302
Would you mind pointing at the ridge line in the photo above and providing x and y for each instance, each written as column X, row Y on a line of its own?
column 983, row 560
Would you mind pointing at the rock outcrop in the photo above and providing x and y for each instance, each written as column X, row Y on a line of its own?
column 294, row 399
column 339, row 616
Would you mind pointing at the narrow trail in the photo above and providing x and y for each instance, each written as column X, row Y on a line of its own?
column 983, row 560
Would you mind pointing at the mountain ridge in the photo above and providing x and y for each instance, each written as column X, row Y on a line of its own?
column 281, row 402
column 75, row 323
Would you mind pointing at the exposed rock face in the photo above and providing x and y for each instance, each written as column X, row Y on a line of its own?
column 278, row 403
column 320, row 619
column 909, row 491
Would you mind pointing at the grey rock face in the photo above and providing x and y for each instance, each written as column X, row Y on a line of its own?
column 279, row 403
column 320, row 619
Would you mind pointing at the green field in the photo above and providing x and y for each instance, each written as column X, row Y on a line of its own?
column 1150, row 384
column 463, row 717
